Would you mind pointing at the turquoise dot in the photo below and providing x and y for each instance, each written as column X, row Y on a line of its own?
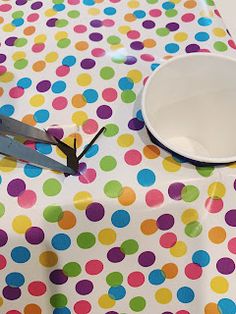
column 120, row 218
column 227, row 306
column 88, row 2
column 139, row 14
column 61, row 241
column 59, row 7
column 58, row 87
column 32, row 171
column 109, row 11
column 7, row 110
column 125, row 83
column 185, row 295
column 146, row 177
column 93, row 150
column 201, row 258
column 154, row 66
column 25, row 82
column 172, row 48
column 117, row 293
column 204, row 21
column 41, row 116
column 0, row 179
column 139, row 115
column 90, row 95
column 18, row 22
column 168, row 5
column 69, row 61
column 15, row 280
column 156, row 277
column 20, row 254
column 61, row 310
column 44, row 148
column 202, row 36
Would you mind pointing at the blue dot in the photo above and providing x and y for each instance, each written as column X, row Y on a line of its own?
column 32, row 171
column 139, row 14
column 15, row 280
column 168, row 5
column 139, row 115
column 202, row 36
column 41, row 116
column 172, row 48
column 120, row 218
column 109, row 11
column 125, row 83
column 58, row 87
column 20, row 254
column 156, row 277
column 146, row 177
column 61, row 310
column 0, row 179
column 88, row 2
column 154, row 66
column 227, row 306
column 93, row 150
column 185, row 295
column 18, row 22
column 61, row 241
column 201, row 258
column 69, row 61
column 44, row 148
column 117, row 293
column 25, row 82
column 59, row 7
column 204, row 21
column 7, row 110
column 90, row 95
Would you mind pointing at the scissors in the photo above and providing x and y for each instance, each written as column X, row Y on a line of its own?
column 13, row 148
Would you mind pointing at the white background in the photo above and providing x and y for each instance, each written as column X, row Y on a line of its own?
column 227, row 9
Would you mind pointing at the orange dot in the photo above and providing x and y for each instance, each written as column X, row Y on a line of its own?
column 170, row 270
column 29, row 30
column 217, row 235
column 78, row 101
column 167, row 57
column 29, row 119
column 148, row 226
column 129, row 17
column 1, row 91
column 68, row 220
column 190, row 4
column 81, row 45
column 39, row 66
column 151, row 151
column 211, row 308
column 1, row 19
column 99, row 1
column 127, row 196
column 149, row 43
column 32, row 309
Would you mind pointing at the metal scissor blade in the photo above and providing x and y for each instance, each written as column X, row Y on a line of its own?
column 14, row 127
column 10, row 147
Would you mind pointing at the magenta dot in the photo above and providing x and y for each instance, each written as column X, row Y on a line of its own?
column 154, row 198
column 172, row 26
column 147, row 57
column 11, row 293
column 34, row 235
column 175, row 190
column 56, row 131
column 51, row 22
column 192, row 48
column 230, row 218
column 193, row 271
column 148, row 24
column 43, row 86
column 146, row 258
column 3, row 237
column 59, row 103
column 225, row 266
column 115, row 255
column 3, row 57
column 108, row 22
column 109, row 94
column 16, row 187
column 58, row 277
column 136, row 279
column 232, row 245
column 133, row 157
column 155, row 12
column 87, row 63
column 188, row 17
column 33, row 17
column 27, row 199
column 104, row 112
column 135, row 124
column 16, row 92
column 62, row 70
column 98, row 52
column 80, row 28
column 133, row 34
column 165, row 222
column 5, row 7
column 90, row 126
column 88, row 176
column 95, row 36
column 168, row 239
column 95, row 211
column 3, row 69
column 137, row 45
column 84, row 287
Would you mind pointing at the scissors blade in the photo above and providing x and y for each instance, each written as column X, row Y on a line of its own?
column 10, row 147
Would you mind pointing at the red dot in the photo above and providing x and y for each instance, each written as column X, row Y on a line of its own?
column 3, row 262
column 37, row 288
column 193, row 271
column 94, row 267
column 109, row 94
column 136, row 279
column 82, row 307
column 168, row 239
column 232, row 43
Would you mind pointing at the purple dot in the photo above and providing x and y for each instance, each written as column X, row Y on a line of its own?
column 234, row 181
column 16, row 187
column 36, row 5
column 192, row 48
column 172, row 26
column 43, row 86
column 225, row 266
column 95, row 211
column 148, row 24
column 96, row 23
column 95, row 36
column 84, row 287
column 175, row 190
column 135, row 124
column 167, row 313
column 2, row 58
column 82, row 167
column 115, row 255
column 10, row 41
column 56, row 131
column 112, row 312
column 34, row 235
column 51, row 22
column 165, row 222
column 146, row 258
column 87, row 63
column 58, row 277
column 11, row 293
column 230, row 217
column 137, row 45
column 21, row 2
column 3, row 237
column 130, row 60
column 104, row 112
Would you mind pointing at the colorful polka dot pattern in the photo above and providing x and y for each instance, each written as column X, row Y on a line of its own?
column 161, row 237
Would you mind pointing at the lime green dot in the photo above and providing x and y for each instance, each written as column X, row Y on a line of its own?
column 51, row 187
column 210, row 2
column 86, row 240
column 107, row 73
column 63, row 43
column 129, row 247
column 171, row 13
column 108, row 163
column 113, row 40
column 137, row 304
column 58, row 1
column 113, row 189
column 205, row 171
column 152, row 1
column 128, row 96
column 17, row 14
column 21, row 64
column 73, row 14
column 193, row 229
column 58, row 300
column 163, row 31
column 111, row 130
column 53, row 213
column 114, row 279
column 190, row 193
column 118, row 58
column 220, row 46
column 2, row 209
column 20, row 42
column 72, row 269
column 61, row 23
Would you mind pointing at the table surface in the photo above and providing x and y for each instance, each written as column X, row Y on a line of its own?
column 227, row 9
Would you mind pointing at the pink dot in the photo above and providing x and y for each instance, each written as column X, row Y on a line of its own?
column 30, row 144
column 203, row 50
column 16, row 92
column 214, row 205
column 73, row 2
column 114, row 1
column 33, row 17
column 3, row 69
column 80, row 28
column 3, row 262
column 133, row 157
column 167, row 240
column 188, row 17
column 82, row 307
column 27, row 199
column 133, row 34
column 38, row 47
column 193, row 271
column 217, row 13
column 154, row 198
column 59, row 103
column 155, row 12
column 108, row 22
column 90, row 126
column 136, row 279
column 232, row 245
column 88, row 176
column 232, row 43
column 98, row 52
column 94, row 267
column 147, row 57
column 37, row 288
column 62, row 70
column 145, row 80
column 5, row 7
column 109, row 94
column 13, row 312
column 182, row 312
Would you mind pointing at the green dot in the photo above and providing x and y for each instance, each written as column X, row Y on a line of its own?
column 220, row 46
column 171, row 13
column 107, row 73
column 86, row 240
column 20, row 42
column 205, row 171
column 61, row 23
column 113, row 189
column 72, row 269
column 190, row 193
column 193, row 229
column 51, row 187
column 163, row 31
column 129, row 247
column 63, row 43
column 210, row 2
column 73, row 14
column 53, row 213
column 21, row 64
column 152, row 1
column 137, row 304
column 111, row 130
column 113, row 40
column 118, row 58
column 128, row 96
column 58, row 300
column 2, row 209
column 58, row 1
column 108, row 163
column 114, row 279
column 17, row 14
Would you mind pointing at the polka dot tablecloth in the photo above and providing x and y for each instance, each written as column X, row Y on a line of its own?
column 137, row 230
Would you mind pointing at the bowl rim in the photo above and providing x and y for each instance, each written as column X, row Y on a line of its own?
column 199, row 158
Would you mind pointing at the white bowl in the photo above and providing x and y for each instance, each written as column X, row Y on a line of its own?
column 189, row 105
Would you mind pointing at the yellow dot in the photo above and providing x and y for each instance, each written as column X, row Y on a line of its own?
column 48, row 259
column 40, row 38
column 133, row 4
column 135, row 75
column 175, row 1
column 84, row 79
column 106, row 302
column 18, row 55
column 7, row 164
column 170, row 164
column 69, row 140
column 21, row 223
column 216, row 190
column 51, row 57
column 219, row 32
column 123, row 29
column 125, row 140
column 6, row 77
column 163, row 296
column 181, row 36
column 1, row 301
column 93, row 11
column 116, row 47
column 37, row 100
column 189, row 215
column 107, row 236
column 206, row 13
column 61, row 35
column 179, row 249
column 82, row 200
column 79, row 117
column 50, row 12
column 8, row 28
column 219, row 284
